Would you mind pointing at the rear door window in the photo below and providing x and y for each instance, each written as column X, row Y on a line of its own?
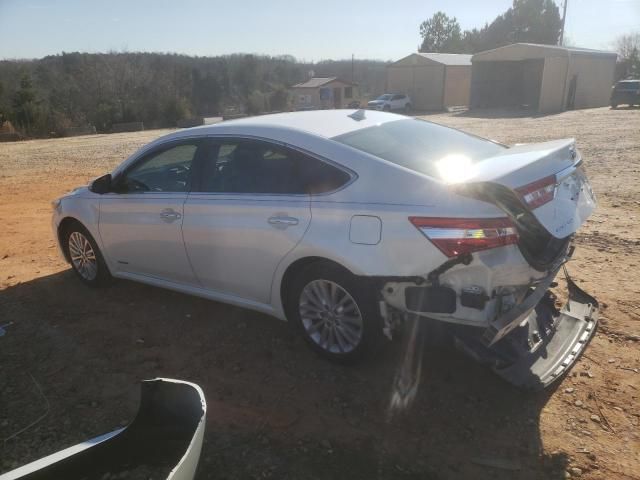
column 628, row 86
column 256, row 167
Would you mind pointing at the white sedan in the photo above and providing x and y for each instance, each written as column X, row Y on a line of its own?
column 346, row 223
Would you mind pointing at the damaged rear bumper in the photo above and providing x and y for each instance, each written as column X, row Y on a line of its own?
column 534, row 344
column 530, row 345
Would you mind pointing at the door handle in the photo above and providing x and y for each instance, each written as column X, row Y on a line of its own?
column 169, row 215
column 282, row 221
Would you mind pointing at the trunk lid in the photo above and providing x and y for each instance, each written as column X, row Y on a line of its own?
column 505, row 179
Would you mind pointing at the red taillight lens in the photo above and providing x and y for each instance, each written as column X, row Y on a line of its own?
column 538, row 193
column 456, row 236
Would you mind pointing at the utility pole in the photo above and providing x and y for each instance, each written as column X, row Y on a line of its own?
column 352, row 60
column 564, row 17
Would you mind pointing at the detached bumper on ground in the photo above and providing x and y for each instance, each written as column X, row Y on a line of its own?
column 164, row 441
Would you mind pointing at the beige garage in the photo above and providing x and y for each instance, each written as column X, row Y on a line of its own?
column 434, row 81
column 544, row 78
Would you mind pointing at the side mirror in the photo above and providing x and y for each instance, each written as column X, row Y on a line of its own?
column 101, row 184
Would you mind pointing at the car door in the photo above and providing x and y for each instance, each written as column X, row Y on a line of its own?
column 141, row 220
column 247, row 212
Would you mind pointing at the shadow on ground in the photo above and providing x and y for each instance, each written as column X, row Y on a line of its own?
column 73, row 358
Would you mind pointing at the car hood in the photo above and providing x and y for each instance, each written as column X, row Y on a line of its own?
column 78, row 192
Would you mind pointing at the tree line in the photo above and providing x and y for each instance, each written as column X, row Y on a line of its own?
column 528, row 21
column 49, row 95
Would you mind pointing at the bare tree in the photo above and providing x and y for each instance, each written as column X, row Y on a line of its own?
column 628, row 48
column 628, row 45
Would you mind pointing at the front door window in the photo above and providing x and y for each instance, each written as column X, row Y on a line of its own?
column 166, row 171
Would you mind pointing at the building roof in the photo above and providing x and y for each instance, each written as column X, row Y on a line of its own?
column 449, row 59
column 522, row 51
column 316, row 82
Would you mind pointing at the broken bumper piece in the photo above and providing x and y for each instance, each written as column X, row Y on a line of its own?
column 536, row 344
column 163, row 441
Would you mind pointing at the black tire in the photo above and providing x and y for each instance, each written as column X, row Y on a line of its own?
column 407, row 108
column 614, row 106
column 386, row 108
column 102, row 275
column 371, row 337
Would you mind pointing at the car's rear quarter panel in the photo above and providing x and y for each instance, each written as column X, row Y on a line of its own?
column 393, row 194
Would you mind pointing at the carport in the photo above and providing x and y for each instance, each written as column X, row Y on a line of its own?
column 434, row 81
column 544, row 78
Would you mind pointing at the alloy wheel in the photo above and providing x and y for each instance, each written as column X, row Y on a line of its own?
column 330, row 316
column 82, row 256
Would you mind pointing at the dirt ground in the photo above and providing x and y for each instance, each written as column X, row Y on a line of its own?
column 72, row 357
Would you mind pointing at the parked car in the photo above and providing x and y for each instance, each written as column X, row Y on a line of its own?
column 625, row 92
column 391, row 102
column 348, row 223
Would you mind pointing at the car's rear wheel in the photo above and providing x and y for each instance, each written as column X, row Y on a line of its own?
column 84, row 255
column 407, row 108
column 387, row 108
column 334, row 312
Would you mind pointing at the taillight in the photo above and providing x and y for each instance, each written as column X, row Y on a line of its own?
column 538, row 193
column 456, row 236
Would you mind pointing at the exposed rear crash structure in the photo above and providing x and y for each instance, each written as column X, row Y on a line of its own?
column 527, row 341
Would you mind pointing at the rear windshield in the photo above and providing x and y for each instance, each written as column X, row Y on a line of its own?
column 628, row 85
column 422, row 146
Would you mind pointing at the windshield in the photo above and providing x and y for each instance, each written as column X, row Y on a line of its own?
column 424, row 147
column 384, row 97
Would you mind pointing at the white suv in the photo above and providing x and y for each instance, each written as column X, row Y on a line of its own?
column 391, row 101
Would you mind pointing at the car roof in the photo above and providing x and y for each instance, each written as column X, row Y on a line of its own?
column 323, row 123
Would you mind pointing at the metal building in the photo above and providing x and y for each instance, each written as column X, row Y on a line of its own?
column 434, row 81
column 544, row 78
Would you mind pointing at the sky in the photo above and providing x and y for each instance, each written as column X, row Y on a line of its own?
column 308, row 30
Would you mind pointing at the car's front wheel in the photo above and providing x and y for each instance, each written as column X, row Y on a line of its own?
column 84, row 255
column 335, row 313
